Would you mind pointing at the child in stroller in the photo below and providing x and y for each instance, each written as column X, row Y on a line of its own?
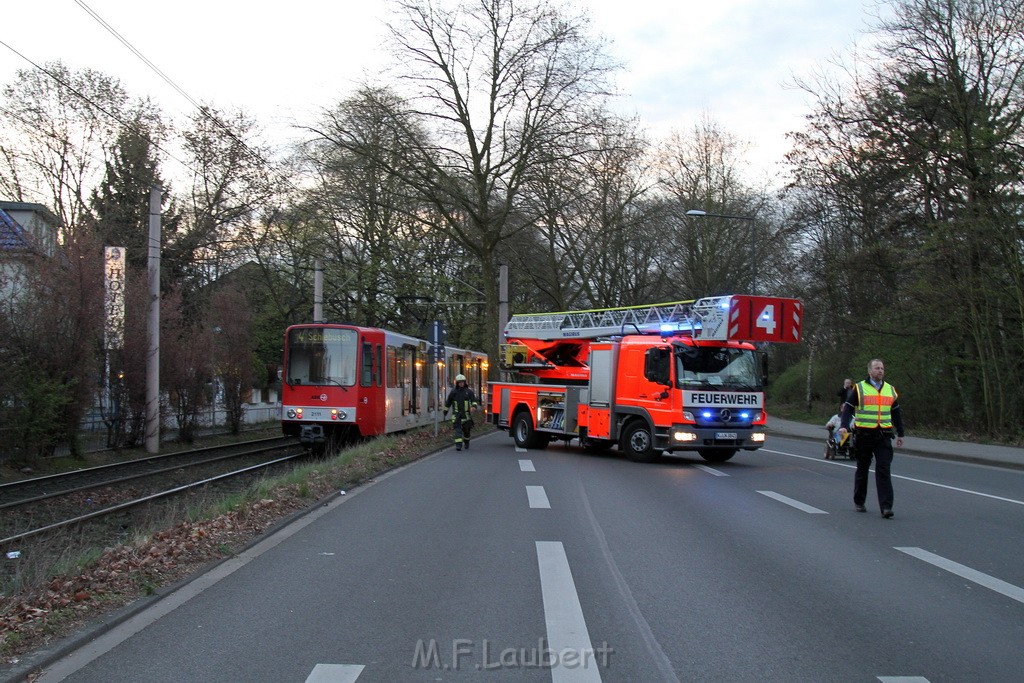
column 836, row 445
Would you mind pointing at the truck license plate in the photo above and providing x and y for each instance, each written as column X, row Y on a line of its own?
column 725, row 435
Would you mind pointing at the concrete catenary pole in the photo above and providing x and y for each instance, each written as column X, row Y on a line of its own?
column 153, row 326
column 318, row 291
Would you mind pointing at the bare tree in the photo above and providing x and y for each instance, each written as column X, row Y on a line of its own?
column 49, row 336
column 597, row 239
column 59, row 126
column 233, row 362
column 703, row 170
column 186, row 365
column 231, row 183
column 501, row 89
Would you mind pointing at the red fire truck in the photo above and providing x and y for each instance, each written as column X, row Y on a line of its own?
column 680, row 376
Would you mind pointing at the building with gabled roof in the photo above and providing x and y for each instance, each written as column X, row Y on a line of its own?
column 28, row 232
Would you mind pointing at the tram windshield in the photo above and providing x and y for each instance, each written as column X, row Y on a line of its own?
column 321, row 355
column 711, row 367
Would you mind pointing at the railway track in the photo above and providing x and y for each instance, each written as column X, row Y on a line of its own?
column 41, row 507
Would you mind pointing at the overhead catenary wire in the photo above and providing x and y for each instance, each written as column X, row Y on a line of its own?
column 203, row 109
column 70, row 88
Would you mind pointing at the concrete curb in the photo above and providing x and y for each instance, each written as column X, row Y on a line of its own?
column 959, row 451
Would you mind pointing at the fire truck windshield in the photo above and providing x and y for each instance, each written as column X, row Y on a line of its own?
column 716, row 367
column 321, row 355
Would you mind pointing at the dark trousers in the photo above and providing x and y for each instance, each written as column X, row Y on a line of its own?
column 873, row 443
column 460, row 429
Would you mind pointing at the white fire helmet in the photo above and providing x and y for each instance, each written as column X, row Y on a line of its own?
column 460, row 378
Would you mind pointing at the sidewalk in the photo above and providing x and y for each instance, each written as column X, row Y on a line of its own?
column 1000, row 456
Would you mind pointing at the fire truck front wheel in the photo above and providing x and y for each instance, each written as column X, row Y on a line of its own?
column 638, row 443
column 524, row 434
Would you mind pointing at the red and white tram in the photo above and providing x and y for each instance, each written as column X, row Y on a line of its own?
column 342, row 382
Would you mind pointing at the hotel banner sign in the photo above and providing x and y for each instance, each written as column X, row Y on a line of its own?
column 113, row 301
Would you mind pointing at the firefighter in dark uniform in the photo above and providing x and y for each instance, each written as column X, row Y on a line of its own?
column 874, row 409
column 460, row 401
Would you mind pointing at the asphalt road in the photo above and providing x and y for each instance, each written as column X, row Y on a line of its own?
column 554, row 565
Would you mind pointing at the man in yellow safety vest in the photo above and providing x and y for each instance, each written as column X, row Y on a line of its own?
column 873, row 407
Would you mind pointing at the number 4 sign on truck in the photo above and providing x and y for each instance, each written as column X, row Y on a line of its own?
column 765, row 319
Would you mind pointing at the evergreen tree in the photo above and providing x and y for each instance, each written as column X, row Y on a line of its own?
column 121, row 203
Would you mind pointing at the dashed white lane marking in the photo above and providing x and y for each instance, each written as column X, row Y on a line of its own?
column 526, row 466
column 537, row 497
column 520, row 449
column 903, row 679
column 335, row 673
column 990, row 582
column 794, row 503
column 573, row 658
column 899, row 476
column 711, row 470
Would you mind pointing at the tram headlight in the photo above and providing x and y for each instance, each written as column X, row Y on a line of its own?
column 291, row 414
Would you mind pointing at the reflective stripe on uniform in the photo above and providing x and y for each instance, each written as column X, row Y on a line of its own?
column 874, row 407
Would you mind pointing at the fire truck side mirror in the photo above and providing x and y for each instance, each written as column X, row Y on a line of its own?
column 657, row 365
column 762, row 362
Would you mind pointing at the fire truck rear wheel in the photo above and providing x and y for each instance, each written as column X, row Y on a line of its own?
column 524, row 434
column 638, row 443
column 716, row 454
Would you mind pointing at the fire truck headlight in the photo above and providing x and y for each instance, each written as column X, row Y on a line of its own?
column 683, row 436
column 757, row 437
column 688, row 416
column 291, row 414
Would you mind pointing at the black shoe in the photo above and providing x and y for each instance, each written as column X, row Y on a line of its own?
column 861, row 508
column 466, row 444
column 887, row 514
column 458, row 446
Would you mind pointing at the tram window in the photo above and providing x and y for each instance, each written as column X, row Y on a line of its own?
column 422, row 373
column 366, row 367
column 321, row 356
column 379, row 366
column 392, row 372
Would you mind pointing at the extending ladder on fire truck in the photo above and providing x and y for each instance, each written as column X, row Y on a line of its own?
column 693, row 317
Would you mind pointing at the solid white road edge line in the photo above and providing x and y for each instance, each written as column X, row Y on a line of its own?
column 990, row 582
column 898, row 476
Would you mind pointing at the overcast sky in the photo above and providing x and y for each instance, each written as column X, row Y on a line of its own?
column 285, row 61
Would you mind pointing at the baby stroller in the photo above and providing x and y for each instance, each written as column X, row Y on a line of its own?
column 839, row 446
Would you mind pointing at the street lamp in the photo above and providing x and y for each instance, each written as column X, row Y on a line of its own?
column 753, row 240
